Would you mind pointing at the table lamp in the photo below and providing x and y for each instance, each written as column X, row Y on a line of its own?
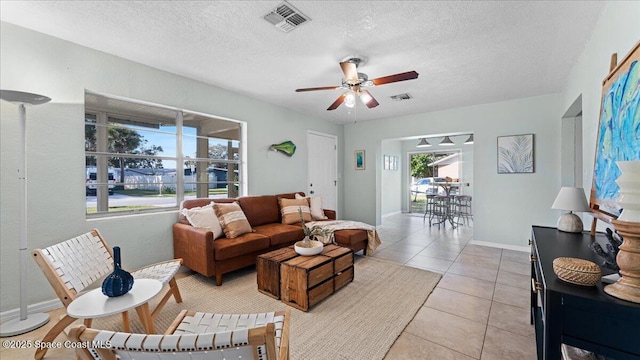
column 572, row 199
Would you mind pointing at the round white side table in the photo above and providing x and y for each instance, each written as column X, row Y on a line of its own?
column 94, row 304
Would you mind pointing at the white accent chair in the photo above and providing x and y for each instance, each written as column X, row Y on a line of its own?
column 73, row 265
column 194, row 335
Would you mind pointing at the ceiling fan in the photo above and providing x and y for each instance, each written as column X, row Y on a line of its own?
column 355, row 82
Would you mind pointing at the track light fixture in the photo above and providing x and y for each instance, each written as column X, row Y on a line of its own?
column 469, row 140
column 423, row 143
column 446, row 142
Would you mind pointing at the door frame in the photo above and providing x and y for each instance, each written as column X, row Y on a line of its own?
column 408, row 171
column 335, row 154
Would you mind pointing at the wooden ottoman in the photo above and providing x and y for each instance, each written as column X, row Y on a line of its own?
column 303, row 281
column 307, row 280
column 268, row 270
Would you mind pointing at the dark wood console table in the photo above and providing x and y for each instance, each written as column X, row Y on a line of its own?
column 584, row 317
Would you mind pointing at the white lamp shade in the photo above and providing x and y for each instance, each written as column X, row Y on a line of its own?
column 572, row 199
column 350, row 100
column 20, row 97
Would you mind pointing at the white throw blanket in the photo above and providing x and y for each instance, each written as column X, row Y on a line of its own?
column 333, row 225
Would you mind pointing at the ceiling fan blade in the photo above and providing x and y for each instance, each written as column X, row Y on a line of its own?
column 368, row 99
column 337, row 103
column 409, row 75
column 350, row 72
column 318, row 88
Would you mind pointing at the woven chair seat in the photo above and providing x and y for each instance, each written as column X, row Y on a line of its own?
column 194, row 335
column 201, row 323
column 162, row 272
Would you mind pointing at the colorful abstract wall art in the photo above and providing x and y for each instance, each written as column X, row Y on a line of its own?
column 288, row 148
column 618, row 133
column 358, row 158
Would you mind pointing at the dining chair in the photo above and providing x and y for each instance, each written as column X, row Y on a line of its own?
column 440, row 210
column 194, row 335
column 74, row 265
column 463, row 208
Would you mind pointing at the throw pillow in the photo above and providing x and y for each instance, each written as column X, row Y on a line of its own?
column 289, row 209
column 234, row 222
column 315, row 203
column 204, row 217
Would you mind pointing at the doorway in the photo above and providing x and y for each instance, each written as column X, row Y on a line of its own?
column 426, row 167
column 322, row 168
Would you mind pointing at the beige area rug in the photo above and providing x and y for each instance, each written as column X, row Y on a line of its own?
column 360, row 321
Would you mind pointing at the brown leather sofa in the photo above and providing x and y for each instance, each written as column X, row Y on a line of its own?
column 209, row 257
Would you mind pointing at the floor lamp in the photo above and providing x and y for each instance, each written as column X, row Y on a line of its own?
column 25, row 322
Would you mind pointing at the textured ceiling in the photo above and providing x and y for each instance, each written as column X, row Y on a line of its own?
column 465, row 52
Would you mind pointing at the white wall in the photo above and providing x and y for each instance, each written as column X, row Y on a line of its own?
column 392, row 179
column 41, row 64
column 617, row 30
column 510, row 203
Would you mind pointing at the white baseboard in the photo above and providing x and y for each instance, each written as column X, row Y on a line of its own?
column 391, row 214
column 31, row 309
column 522, row 248
column 48, row 305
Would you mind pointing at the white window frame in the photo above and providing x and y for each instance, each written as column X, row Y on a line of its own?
column 101, row 153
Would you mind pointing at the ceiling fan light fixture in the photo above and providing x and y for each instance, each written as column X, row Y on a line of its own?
column 423, row 143
column 355, row 81
column 469, row 140
column 365, row 97
column 350, row 100
column 446, row 141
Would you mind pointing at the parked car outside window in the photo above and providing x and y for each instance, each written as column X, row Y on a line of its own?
column 92, row 179
column 424, row 186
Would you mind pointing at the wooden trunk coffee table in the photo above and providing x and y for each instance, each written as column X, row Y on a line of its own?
column 303, row 281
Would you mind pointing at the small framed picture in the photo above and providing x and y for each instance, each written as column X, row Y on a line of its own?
column 387, row 162
column 515, row 154
column 359, row 159
column 394, row 167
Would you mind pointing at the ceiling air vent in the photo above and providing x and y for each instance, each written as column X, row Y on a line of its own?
column 400, row 97
column 285, row 17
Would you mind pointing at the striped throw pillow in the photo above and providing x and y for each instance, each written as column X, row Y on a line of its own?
column 234, row 222
column 289, row 209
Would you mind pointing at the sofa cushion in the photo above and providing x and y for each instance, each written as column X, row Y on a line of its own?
column 281, row 233
column 226, row 248
column 291, row 208
column 204, row 217
column 198, row 202
column 350, row 237
column 315, row 204
column 234, row 222
column 260, row 209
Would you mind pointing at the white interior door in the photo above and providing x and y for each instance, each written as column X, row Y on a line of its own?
column 323, row 168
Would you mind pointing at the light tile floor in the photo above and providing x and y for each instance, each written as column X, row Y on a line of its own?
column 480, row 308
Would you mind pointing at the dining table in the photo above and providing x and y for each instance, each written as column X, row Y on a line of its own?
column 449, row 211
column 449, row 185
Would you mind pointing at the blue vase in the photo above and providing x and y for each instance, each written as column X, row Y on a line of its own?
column 119, row 282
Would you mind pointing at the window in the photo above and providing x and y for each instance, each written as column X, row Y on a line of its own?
column 141, row 157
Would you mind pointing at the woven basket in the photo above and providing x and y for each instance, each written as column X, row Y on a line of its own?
column 577, row 271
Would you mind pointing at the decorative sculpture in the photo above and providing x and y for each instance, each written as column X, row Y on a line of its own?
column 609, row 256
column 288, row 148
column 120, row 281
column 628, row 260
